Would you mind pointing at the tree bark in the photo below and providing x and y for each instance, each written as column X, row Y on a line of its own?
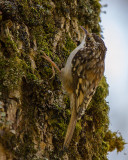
column 34, row 110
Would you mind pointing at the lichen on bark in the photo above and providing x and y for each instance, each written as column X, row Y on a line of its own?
column 34, row 111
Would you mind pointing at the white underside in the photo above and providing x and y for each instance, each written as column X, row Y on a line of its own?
column 68, row 66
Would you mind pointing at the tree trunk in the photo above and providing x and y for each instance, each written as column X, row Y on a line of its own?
column 34, row 110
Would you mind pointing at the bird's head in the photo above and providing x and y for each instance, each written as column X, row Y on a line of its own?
column 93, row 40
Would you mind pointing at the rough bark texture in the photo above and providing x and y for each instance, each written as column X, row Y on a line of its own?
column 34, row 111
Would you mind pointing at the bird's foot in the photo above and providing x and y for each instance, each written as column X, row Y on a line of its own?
column 52, row 63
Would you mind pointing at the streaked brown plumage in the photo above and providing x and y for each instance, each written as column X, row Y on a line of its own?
column 81, row 75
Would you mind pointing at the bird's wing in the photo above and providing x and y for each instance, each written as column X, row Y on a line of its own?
column 84, row 79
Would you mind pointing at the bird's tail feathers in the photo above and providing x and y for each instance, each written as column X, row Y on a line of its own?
column 71, row 128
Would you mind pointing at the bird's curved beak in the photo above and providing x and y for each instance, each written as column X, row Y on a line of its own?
column 84, row 29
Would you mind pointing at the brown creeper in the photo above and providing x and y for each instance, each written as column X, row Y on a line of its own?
column 80, row 77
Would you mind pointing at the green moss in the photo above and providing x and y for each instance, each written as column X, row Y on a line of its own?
column 114, row 141
column 69, row 45
column 12, row 72
column 78, row 127
column 31, row 77
column 58, row 124
column 0, row 17
column 41, row 38
column 39, row 21
column 11, row 45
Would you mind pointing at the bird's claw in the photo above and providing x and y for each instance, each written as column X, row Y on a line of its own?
column 52, row 63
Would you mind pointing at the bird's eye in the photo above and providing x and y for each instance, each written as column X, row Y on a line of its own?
column 88, row 38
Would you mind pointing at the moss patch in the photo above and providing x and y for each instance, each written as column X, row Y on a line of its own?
column 27, row 29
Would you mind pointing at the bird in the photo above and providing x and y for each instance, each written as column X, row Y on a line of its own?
column 81, row 75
